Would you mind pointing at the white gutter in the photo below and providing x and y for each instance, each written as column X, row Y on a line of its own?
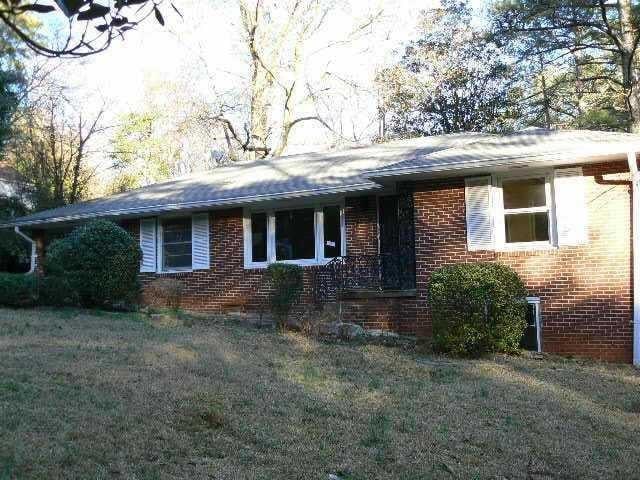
column 34, row 254
column 635, row 212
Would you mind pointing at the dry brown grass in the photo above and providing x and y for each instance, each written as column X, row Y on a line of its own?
column 113, row 396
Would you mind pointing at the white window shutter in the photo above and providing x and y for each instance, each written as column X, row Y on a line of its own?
column 571, row 206
column 479, row 215
column 200, row 241
column 148, row 244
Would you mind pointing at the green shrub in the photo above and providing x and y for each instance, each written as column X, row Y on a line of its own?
column 56, row 291
column 99, row 262
column 286, row 286
column 477, row 308
column 17, row 289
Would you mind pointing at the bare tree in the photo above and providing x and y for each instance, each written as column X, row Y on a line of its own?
column 51, row 149
column 277, row 36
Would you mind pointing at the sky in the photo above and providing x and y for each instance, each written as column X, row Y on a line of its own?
column 207, row 41
column 204, row 55
column 204, row 50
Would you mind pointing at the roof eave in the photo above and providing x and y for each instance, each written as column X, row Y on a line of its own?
column 509, row 163
column 189, row 206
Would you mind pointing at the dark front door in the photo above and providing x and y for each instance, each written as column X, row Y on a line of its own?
column 397, row 250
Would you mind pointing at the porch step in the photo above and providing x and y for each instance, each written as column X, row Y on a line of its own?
column 351, row 294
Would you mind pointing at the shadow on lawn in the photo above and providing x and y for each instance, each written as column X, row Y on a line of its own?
column 228, row 401
column 569, row 424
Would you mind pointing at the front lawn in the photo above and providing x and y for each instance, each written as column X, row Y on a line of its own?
column 114, row 396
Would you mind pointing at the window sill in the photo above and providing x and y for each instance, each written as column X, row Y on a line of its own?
column 526, row 247
column 301, row 263
column 181, row 270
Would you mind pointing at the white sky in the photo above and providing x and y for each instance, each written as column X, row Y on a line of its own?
column 206, row 47
column 204, row 53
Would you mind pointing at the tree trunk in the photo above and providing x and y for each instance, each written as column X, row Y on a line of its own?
column 261, row 79
column 630, row 77
column 545, row 96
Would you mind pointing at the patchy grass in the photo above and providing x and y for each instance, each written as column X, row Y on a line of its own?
column 101, row 395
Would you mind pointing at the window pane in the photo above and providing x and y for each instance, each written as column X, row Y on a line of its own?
column 177, row 248
column 176, row 244
column 295, row 235
column 172, row 262
column 527, row 227
column 259, row 237
column 332, row 237
column 524, row 193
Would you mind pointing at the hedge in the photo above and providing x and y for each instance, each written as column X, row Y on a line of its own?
column 286, row 287
column 17, row 289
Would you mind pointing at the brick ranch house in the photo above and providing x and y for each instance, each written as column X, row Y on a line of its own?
column 372, row 223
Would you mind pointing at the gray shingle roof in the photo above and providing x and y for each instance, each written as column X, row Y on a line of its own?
column 350, row 170
column 526, row 147
column 284, row 177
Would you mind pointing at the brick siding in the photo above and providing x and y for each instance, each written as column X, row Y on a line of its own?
column 585, row 291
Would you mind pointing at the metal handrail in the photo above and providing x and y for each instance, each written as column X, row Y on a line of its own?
column 360, row 272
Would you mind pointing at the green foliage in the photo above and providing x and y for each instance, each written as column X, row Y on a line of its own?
column 9, row 82
column 286, row 287
column 56, row 291
column 14, row 250
column 477, row 308
column 12, row 78
column 451, row 79
column 17, row 290
column 142, row 154
column 573, row 54
column 100, row 262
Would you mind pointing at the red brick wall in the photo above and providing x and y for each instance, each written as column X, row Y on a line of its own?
column 395, row 314
column 585, row 291
column 226, row 285
column 361, row 223
column 389, row 314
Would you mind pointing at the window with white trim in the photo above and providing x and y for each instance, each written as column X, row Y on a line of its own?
column 295, row 234
column 259, row 237
column 527, row 210
column 304, row 236
column 525, row 214
column 176, row 244
column 532, row 338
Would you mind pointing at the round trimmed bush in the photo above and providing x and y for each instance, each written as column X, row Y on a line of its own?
column 477, row 308
column 99, row 262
